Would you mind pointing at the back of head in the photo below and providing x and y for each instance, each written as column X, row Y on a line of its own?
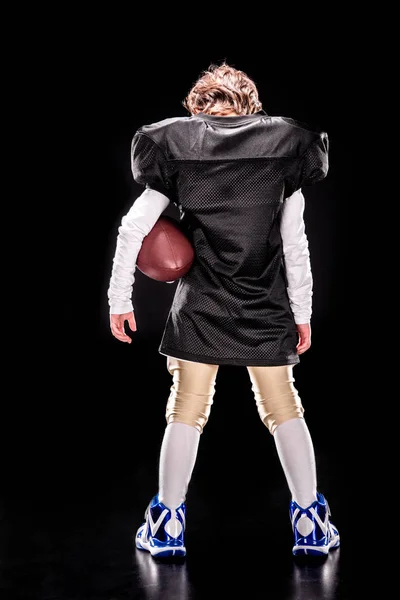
column 223, row 90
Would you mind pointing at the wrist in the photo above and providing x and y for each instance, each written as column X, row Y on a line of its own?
column 118, row 307
column 302, row 320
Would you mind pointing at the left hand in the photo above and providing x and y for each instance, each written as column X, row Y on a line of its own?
column 304, row 331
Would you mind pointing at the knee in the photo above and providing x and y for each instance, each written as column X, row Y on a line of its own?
column 273, row 420
column 276, row 396
column 189, row 407
column 191, row 395
column 275, row 410
column 197, row 423
column 190, row 411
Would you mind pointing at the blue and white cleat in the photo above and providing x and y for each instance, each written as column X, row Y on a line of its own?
column 162, row 533
column 314, row 534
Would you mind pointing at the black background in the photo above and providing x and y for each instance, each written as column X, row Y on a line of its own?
column 83, row 434
column 119, row 95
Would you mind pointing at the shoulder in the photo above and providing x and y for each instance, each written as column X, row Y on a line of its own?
column 298, row 128
column 159, row 130
column 301, row 134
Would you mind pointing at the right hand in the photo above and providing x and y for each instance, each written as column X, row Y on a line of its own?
column 304, row 332
column 117, row 323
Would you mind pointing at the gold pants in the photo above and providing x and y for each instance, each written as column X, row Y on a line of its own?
column 193, row 388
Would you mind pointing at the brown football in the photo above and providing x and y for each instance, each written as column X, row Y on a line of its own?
column 166, row 253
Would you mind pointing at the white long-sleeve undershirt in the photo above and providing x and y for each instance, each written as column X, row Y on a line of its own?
column 147, row 209
column 297, row 258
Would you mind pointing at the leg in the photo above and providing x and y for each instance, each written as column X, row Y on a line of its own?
column 280, row 409
column 296, row 454
column 188, row 409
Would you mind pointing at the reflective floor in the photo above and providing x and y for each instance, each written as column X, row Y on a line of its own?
column 81, row 471
column 89, row 554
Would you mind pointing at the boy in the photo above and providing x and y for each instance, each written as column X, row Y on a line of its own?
column 236, row 175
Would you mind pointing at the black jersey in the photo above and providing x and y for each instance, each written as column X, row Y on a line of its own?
column 229, row 177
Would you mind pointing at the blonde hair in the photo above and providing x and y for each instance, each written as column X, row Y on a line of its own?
column 223, row 89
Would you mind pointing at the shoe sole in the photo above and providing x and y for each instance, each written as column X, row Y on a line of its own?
column 159, row 552
column 316, row 550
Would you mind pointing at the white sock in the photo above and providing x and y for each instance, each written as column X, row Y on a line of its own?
column 296, row 453
column 177, row 459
